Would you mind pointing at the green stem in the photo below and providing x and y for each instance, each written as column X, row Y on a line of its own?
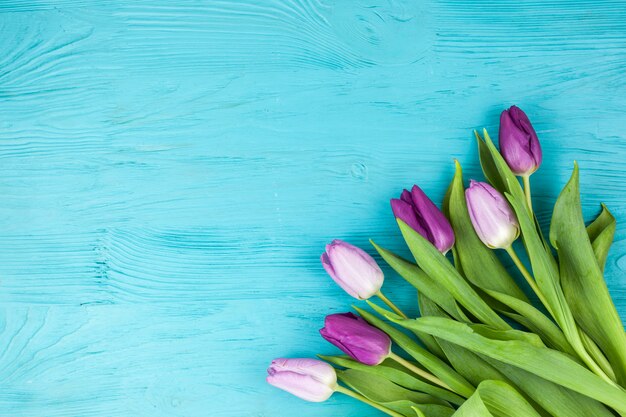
column 529, row 201
column 529, row 278
column 391, row 305
column 360, row 397
column 420, row 372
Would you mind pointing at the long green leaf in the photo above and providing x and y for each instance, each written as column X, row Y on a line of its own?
column 535, row 320
column 549, row 364
column 434, row 264
column 548, row 281
column 582, row 279
column 422, row 282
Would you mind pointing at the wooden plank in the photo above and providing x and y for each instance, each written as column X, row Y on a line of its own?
column 170, row 175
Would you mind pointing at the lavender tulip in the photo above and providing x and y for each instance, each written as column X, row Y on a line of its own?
column 492, row 216
column 353, row 269
column 422, row 215
column 519, row 144
column 309, row 379
column 357, row 338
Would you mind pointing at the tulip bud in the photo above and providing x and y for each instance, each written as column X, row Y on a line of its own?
column 353, row 269
column 519, row 144
column 355, row 337
column 492, row 216
column 422, row 215
column 309, row 379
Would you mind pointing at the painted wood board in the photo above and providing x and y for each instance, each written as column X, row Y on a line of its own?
column 170, row 172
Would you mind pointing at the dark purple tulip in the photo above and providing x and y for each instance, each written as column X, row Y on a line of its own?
column 519, row 144
column 422, row 215
column 357, row 338
column 309, row 379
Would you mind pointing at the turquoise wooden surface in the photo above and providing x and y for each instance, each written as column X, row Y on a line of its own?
column 170, row 172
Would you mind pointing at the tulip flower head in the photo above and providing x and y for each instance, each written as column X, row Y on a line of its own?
column 422, row 215
column 492, row 217
column 353, row 269
column 309, row 379
column 519, row 143
column 357, row 338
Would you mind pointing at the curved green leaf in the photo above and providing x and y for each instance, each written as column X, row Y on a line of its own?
column 497, row 399
column 582, row 279
column 422, row 282
column 600, row 233
column 435, row 265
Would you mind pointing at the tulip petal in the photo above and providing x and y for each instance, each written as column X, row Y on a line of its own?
column 405, row 211
column 519, row 143
column 357, row 338
column 353, row 269
column 438, row 227
column 491, row 215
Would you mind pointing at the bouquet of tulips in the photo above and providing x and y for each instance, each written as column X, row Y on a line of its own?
column 480, row 347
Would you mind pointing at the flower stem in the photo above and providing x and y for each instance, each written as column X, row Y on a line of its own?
column 529, row 201
column 420, row 372
column 360, row 397
column 391, row 305
column 528, row 277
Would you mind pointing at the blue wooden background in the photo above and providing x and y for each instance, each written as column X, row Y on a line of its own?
column 170, row 172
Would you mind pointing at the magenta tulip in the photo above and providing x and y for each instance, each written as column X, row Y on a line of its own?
column 422, row 215
column 353, row 269
column 355, row 337
column 519, row 143
column 492, row 217
column 309, row 379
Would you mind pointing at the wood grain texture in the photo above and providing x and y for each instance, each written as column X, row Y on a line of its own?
column 170, row 172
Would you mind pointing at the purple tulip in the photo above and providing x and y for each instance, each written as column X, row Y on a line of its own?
column 493, row 218
column 309, row 379
column 422, row 215
column 519, row 144
column 357, row 338
column 353, row 269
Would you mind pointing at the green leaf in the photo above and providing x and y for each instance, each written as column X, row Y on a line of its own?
column 547, row 278
column 468, row 364
column 381, row 390
column 549, row 364
column 582, row 279
column 403, row 378
column 543, row 395
column 422, row 282
column 480, row 264
column 558, row 401
column 533, row 319
column 425, row 358
column 497, row 399
column 390, row 395
column 600, row 233
column 435, row 265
